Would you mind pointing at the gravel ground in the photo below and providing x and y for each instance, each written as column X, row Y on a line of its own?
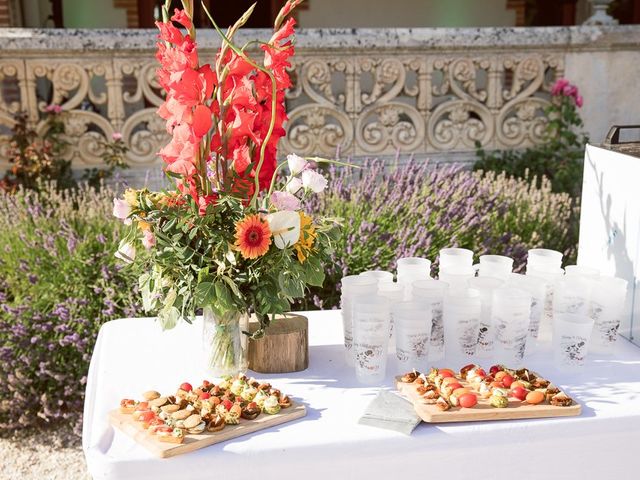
column 43, row 455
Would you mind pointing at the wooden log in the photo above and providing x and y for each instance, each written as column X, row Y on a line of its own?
column 284, row 347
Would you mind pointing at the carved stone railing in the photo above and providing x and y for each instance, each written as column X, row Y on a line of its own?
column 428, row 92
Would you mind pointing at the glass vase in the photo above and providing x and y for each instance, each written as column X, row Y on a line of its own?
column 225, row 346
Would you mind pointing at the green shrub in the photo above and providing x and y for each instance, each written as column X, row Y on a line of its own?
column 59, row 281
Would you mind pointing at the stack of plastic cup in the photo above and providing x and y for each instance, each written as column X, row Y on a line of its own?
column 608, row 303
column 413, row 329
column 571, row 335
column 461, row 318
column 430, row 293
column 394, row 292
column 352, row 286
column 456, row 267
column 581, row 271
column 411, row 269
column 380, row 275
column 496, row 266
column 486, row 332
column 511, row 311
column 371, row 316
column 545, row 264
column 572, row 294
column 537, row 288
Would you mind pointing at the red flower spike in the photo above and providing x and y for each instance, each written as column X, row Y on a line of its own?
column 201, row 121
column 181, row 17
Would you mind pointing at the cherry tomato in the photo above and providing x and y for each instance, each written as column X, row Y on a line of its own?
column 448, row 380
column 481, row 373
column 454, row 386
column 146, row 416
column 500, row 375
column 468, row 400
column 186, row 387
column 165, row 428
column 446, row 372
column 495, row 369
column 156, row 422
column 205, row 395
column 507, row 380
column 142, row 406
column 227, row 404
column 535, row 397
column 519, row 392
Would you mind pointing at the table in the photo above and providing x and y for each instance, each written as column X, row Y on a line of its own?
column 133, row 355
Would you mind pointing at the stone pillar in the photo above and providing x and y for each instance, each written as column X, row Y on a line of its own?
column 600, row 15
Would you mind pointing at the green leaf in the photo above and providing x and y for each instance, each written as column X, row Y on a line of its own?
column 205, row 294
column 168, row 319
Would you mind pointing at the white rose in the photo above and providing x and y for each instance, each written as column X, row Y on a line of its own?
column 294, row 185
column 314, row 181
column 121, row 209
column 285, row 227
column 126, row 252
column 296, row 164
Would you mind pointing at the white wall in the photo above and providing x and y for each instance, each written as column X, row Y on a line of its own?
column 406, row 13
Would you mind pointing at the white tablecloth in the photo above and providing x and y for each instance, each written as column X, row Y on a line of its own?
column 133, row 355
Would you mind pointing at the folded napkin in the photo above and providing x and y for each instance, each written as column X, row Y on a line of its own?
column 391, row 412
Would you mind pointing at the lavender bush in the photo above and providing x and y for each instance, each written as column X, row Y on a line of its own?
column 59, row 281
column 414, row 210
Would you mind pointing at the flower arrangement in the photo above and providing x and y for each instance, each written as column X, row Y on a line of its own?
column 232, row 237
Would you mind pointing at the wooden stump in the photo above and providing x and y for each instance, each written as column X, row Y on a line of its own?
column 284, row 347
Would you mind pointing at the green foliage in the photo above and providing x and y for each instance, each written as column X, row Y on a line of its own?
column 559, row 158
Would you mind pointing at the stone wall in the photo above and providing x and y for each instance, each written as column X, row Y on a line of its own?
column 367, row 92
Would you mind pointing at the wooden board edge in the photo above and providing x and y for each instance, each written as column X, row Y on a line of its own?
column 144, row 439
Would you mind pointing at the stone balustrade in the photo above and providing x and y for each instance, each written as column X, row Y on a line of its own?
column 364, row 92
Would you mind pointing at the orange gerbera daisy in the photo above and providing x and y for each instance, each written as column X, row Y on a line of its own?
column 253, row 236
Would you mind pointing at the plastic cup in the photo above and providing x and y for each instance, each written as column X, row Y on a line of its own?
column 496, row 266
column 457, row 278
column 551, row 276
column 571, row 334
column 413, row 330
column 371, row 316
column 455, row 257
column 542, row 257
column 486, row 332
column 431, row 293
column 411, row 269
column 395, row 293
column 572, row 295
column 580, row 271
column 511, row 311
column 537, row 288
column 608, row 300
column 461, row 318
column 351, row 286
column 380, row 275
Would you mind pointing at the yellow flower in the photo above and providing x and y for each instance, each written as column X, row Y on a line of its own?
column 307, row 237
column 131, row 197
column 144, row 226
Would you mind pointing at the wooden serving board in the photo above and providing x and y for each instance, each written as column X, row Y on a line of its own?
column 483, row 410
column 129, row 426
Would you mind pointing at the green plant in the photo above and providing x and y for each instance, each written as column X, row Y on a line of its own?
column 113, row 158
column 59, row 282
column 559, row 158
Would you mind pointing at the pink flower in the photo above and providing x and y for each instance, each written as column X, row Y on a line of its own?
column 116, row 136
column 559, row 86
column 121, row 209
column 148, row 240
column 285, row 201
column 570, row 91
column 579, row 101
column 53, row 109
